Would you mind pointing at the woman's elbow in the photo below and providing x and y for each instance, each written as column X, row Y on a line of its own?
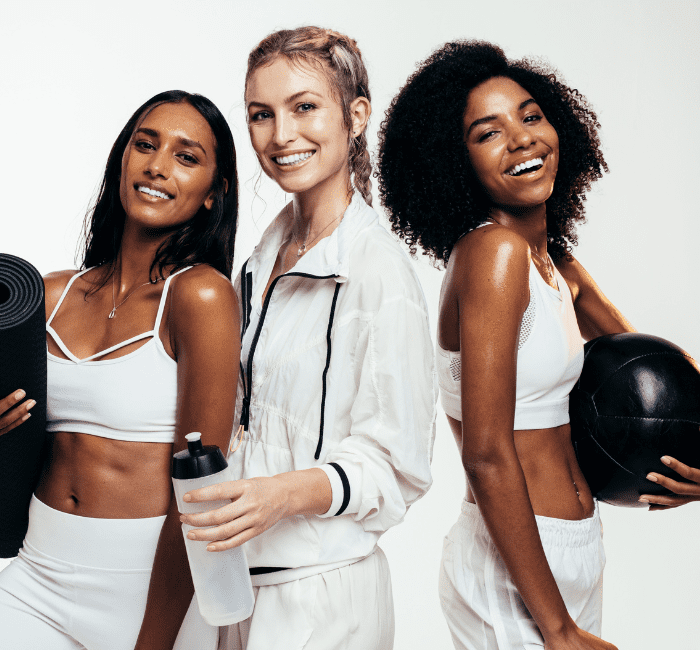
column 487, row 466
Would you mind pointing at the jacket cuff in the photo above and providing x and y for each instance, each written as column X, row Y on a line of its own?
column 340, row 487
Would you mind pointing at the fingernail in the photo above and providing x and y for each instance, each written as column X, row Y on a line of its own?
column 30, row 404
column 211, row 547
column 191, row 535
column 666, row 460
column 26, row 417
column 20, row 394
column 186, row 497
column 643, row 500
column 651, row 477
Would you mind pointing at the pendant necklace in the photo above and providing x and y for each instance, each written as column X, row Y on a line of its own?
column 113, row 313
column 302, row 248
column 547, row 264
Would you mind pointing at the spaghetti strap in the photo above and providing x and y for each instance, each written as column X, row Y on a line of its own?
column 116, row 346
column 61, row 345
column 163, row 298
column 144, row 335
column 65, row 291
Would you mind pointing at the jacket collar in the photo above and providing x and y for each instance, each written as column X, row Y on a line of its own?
column 330, row 256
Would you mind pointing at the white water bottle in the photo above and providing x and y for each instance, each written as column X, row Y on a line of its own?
column 221, row 579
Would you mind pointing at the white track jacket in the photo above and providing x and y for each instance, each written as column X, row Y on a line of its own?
column 337, row 372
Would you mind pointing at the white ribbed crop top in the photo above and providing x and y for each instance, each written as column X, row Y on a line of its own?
column 132, row 397
column 550, row 358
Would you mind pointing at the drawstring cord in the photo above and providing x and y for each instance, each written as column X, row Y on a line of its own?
column 247, row 373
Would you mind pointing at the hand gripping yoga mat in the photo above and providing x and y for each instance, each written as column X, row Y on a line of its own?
column 22, row 365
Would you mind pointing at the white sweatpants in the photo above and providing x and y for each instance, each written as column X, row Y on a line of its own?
column 483, row 608
column 81, row 583
column 350, row 608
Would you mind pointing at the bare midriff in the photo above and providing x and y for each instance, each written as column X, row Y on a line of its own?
column 554, row 480
column 103, row 478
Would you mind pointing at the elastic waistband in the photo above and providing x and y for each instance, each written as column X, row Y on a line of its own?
column 126, row 544
column 288, row 575
column 553, row 532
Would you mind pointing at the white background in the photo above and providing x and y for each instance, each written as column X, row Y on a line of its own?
column 73, row 72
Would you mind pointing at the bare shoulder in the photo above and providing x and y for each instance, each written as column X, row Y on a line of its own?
column 575, row 275
column 569, row 267
column 202, row 290
column 54, row 284
column 493, row 253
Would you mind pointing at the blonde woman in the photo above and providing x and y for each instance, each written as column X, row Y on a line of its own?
column 336, row 399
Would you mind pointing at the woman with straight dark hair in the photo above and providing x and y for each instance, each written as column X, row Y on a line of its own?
column 143, row 348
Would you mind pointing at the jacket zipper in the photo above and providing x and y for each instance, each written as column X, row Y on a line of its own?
column 247, row 373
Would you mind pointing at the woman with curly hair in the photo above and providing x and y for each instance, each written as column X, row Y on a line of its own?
column 336, row 420
column 484, row 163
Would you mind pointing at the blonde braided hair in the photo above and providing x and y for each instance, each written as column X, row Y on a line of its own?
column 339, row 58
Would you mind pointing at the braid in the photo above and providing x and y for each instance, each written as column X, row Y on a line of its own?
column 342, row 62
column 361, row 167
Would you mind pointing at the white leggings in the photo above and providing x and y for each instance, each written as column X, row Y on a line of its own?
column 350, row 608
column 80, row 583
column 483, row 608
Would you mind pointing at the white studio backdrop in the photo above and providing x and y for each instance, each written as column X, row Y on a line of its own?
column 73, row 72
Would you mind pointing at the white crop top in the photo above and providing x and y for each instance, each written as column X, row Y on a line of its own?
column 550, row 358
column 132, row 397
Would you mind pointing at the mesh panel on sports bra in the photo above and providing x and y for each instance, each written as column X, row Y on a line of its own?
column 528, row 321
column 456, row 368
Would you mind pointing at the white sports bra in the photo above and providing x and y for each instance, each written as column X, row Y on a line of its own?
column 132, row 397
column 550, row 358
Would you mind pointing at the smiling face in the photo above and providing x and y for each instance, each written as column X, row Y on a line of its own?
column 513, row 149
column 168, row 167
column 296, row 126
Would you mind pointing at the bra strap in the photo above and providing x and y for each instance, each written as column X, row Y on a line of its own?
column 164, row 296
column 65, row 291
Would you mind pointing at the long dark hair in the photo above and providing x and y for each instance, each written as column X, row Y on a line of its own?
column 207, row 238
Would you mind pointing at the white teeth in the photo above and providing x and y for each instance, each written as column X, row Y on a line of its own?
column 148, row 190
column 296, row 157
column 525, row 165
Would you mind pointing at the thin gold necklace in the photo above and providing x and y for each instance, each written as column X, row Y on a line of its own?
column 547, row 264
column 113, row 313
column 302, row 248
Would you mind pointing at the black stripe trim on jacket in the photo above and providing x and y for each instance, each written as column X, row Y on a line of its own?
column 246, row 291
column 325, row 370
column 346, row 487
column 262, row 570
column 248, row 381
column 249, row 297
column 245, row 298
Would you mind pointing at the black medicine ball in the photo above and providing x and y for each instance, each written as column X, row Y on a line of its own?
column 638, row 398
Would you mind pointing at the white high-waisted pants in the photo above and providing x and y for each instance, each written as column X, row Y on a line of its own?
column 350, row 608
column 481, row 604
column 82, row 583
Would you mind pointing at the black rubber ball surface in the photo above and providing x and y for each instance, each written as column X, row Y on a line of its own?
column 638, row 398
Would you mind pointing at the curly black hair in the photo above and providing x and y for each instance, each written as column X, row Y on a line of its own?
column 426, row 182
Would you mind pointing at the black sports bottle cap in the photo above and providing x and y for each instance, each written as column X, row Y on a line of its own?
column 197, row 460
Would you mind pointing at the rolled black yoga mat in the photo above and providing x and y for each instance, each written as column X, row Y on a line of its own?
column 22, row 365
